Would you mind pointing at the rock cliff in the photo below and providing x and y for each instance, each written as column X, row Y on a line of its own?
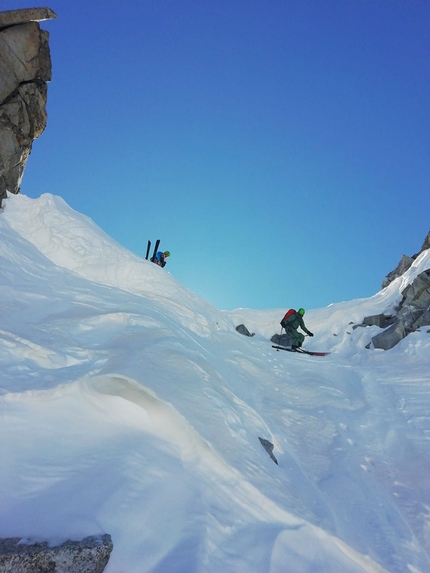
column 412, row 313
column 405, row 263
column 25, row 69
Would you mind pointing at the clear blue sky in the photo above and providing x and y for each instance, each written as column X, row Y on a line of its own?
column 280, row 149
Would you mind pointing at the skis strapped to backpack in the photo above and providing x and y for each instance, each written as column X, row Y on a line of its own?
column 148, row 248
column 157, row 244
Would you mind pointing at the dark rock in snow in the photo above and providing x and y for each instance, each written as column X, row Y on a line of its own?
column 268, row 446
column 243, row 330
column 405, row 263
column 381, row 320
column 90, row 555
column 402, row 267
column 413, row 311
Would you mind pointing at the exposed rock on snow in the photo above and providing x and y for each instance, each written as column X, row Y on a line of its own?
column 381, row 320
column 414, row 312
column 25, row 67
column 405, row 263
column 241, row 328
column 90, row 555
column 268, row 446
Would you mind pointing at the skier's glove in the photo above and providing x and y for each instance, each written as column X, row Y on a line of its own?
column 311, row 333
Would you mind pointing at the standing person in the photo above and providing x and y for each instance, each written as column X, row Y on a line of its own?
column 291, row 322
column 160, row 258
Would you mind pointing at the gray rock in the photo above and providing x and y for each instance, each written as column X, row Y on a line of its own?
column 241, row 328
column 413, row 313
column 418, row 292
column 426, row 244
column 24, row 57
column 90, row 555
column 402, row 267
column 423, row 320
column 25, row 68
column 405, row 263
column 268, row 446
column 390, row 337
column 381, row 320
column 13, row 17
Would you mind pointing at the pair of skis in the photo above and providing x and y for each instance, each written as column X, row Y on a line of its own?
column 148, row 248
column 300, row 351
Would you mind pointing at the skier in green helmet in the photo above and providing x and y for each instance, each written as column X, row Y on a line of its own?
column 160, row 258
column 291, row 322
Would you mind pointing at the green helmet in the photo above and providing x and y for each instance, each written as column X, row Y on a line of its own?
column 167, row 253
column 301, row 311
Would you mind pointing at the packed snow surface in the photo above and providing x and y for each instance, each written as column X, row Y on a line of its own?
column 131, row 406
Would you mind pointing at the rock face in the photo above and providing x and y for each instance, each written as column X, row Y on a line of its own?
column 413, row 311
column 90, row 555
column 25, row 67
column 405, row 263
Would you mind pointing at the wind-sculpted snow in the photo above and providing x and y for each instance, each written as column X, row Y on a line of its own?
column 73, row 242
column 129, row 406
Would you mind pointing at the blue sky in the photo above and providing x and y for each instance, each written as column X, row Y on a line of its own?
column 279, row 149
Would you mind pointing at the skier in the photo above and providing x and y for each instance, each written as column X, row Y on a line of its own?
column 291, row 322
column 160, row 258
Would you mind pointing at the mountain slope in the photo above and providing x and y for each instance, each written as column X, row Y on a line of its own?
column 131, row 406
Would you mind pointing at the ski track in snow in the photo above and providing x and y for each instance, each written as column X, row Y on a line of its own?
column 138, row 414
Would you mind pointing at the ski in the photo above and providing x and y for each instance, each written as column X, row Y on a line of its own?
column 301, row 351
column 157, row 244
column 147, row 250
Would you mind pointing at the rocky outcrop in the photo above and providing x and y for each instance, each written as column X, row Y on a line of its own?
column 90, row 555
column 402, row 267
column 412, row 313
column 25, row 69
column 405, row 263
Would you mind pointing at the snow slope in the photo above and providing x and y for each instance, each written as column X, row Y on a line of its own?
column 128, row 405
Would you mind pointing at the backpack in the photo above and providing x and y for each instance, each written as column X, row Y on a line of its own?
column 287, row 315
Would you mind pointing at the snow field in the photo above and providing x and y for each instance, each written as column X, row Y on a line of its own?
column 130, row 406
